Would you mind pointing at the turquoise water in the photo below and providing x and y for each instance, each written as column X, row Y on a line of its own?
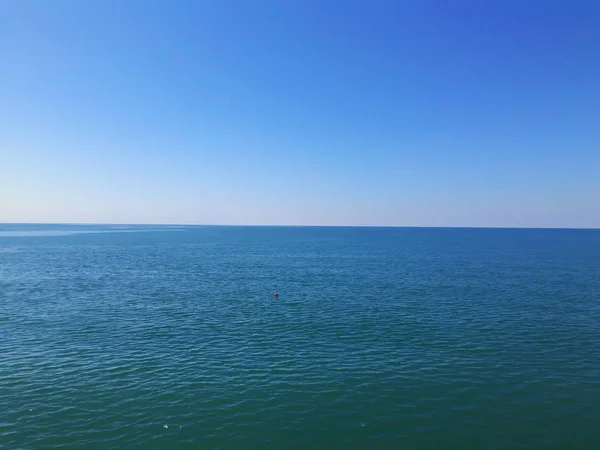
column 170, row 337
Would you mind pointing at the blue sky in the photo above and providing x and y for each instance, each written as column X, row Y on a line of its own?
column 433, row 113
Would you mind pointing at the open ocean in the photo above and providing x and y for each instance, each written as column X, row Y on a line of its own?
column 382, row 338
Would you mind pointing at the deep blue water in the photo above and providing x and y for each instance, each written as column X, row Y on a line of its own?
column 170, row 337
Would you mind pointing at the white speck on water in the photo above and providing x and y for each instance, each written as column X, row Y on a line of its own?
column 166, row 426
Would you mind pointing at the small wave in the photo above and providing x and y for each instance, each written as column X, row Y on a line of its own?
column 10, row 249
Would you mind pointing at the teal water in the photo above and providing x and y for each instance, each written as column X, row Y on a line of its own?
column 170, row 337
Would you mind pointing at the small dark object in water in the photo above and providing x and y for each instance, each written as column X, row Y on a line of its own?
column 276, row 294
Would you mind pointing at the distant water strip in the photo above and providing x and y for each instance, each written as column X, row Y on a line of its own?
column 59, row 232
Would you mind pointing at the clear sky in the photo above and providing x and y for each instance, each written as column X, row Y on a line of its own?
column 435, row 113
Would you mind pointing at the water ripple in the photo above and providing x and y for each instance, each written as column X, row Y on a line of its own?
column 380, row 339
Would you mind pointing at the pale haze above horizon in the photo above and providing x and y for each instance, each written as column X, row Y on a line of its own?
column 301, row 112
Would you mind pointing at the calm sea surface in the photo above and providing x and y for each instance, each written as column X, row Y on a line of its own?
column 170, row 337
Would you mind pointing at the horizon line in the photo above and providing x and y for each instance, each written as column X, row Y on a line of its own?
column 300, row 225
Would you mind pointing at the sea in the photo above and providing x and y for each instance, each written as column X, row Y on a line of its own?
column 171, row 337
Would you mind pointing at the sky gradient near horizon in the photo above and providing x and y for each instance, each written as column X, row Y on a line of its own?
column 418, row 113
